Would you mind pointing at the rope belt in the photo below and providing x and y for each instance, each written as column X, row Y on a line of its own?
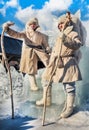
column 35, row 46
column 72, row 55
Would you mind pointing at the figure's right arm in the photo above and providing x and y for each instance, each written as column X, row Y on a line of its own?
column 15, row 34
column 11, row 32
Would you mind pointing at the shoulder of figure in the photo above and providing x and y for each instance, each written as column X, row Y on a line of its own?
column 42, row 34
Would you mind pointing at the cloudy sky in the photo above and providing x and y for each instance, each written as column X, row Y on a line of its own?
column 20, row 11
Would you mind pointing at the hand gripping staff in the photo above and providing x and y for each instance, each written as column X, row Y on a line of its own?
column 8, row 67
column 68, row 19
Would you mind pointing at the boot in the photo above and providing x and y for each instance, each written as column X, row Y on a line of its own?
column 48, row 101
column 64, row 108
column 33, row 83
column 69, row 106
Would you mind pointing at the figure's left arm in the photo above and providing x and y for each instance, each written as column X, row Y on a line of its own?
column 73, row 41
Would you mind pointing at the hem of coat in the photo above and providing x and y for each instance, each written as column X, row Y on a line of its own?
column 27, row 72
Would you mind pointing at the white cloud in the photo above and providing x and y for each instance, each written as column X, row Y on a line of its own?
column 44, row 15
column 58, row 4
column 25, row 14
column 47, row 21
column 11, row 3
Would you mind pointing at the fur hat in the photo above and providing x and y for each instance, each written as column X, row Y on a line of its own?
column 33, row 20
column 62, row 19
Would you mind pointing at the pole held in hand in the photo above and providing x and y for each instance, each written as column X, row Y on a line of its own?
column 8, row 67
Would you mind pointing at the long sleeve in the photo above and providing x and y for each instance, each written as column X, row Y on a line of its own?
column 72, row 42
column 15, row 34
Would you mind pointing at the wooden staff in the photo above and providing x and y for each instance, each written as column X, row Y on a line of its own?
column 50, row 80
column 68, row 19
column 8, row 68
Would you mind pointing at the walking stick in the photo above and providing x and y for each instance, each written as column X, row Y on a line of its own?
column 8, row 68
column 68, row 16
column 50, row 80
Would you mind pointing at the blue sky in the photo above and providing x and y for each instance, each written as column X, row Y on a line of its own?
column 20, row 11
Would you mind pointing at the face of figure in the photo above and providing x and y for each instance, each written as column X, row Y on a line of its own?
column 61, row 26
column 31, row 26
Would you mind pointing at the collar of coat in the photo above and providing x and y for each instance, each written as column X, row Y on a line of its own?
column 68, row 30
